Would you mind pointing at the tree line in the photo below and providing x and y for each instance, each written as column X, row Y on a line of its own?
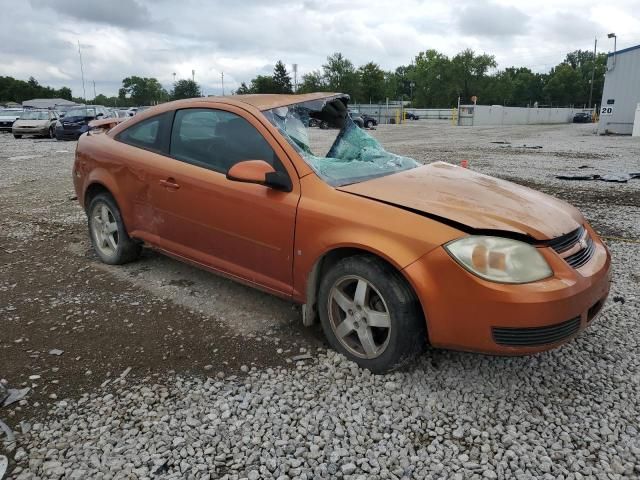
column 435, row 80
column 14, row 90
column 431, row 80
column 135, row 91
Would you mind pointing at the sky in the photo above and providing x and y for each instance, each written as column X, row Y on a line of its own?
column 244, row 38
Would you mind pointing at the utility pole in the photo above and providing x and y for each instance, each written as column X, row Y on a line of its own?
column 593, row 70
column 94, row 90
column 222, row 75
column 193, row 75
column 174, row 77
column 295, row 77
column 84, row 93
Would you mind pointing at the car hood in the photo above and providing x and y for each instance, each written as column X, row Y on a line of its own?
column 30, row 123
column 473, row 200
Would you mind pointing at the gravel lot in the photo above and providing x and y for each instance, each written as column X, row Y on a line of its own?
column 170, row 372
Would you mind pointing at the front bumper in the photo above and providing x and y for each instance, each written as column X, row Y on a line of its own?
column 465, row 312
column 30, row 131
column 68, row 134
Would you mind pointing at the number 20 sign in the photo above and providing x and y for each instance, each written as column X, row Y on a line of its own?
column 606, row 111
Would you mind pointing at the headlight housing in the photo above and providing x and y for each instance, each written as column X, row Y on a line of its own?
column 499, row 259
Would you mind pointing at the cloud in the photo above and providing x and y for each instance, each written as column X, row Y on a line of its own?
column 119, row 13
column 486, row 18
column 244, row 38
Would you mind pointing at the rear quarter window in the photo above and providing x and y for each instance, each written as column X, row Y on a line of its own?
column 150, row 134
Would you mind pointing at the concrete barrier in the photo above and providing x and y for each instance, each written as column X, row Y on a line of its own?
column 498, row 115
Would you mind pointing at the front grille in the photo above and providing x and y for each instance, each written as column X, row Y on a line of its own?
column 581, row 257
column 567, row 242
column 535, row 336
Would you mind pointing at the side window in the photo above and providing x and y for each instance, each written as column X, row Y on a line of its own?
column 217, row 140
column 150, row 134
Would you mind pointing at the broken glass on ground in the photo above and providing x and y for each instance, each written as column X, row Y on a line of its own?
column 355, row 155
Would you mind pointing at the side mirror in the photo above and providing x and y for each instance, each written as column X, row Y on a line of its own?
column 100, row 115
column 260, row 172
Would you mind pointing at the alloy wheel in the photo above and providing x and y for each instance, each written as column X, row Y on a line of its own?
column 105, row 229
column 359, row 317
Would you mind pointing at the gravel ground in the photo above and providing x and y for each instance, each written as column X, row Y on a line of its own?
column 169, row 372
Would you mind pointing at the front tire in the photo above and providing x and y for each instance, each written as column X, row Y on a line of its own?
column 109, row 237
column 17, row 136
column 52, row 132
column 370, row 314
column 369, row 124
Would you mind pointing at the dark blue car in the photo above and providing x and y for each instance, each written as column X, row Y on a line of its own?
column 76, row 121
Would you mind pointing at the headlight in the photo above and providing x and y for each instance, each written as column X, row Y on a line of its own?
column 58, row 124
column 499, row 259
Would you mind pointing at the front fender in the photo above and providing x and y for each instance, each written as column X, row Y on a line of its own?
column 329, row 220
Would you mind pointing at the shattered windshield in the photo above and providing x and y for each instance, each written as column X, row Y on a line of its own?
column 354, row 155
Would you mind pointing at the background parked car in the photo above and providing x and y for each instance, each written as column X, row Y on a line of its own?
column 582, row 117
column 35, row 122
column 411, row 116
column 368, row 120
column 7, row 117
column 76, row 121
column 117, row 113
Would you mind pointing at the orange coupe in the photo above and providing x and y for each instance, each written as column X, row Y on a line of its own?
column 387, row 253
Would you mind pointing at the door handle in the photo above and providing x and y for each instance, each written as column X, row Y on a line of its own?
column 170, row 183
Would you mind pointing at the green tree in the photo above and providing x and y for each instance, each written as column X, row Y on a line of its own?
column 372, row 87
column 312, row 82
column 431, row 75
column 243, row 89
column 65, row 92
column 142, row 90
column 185, row 89
column 281, row 79
column 263, row 84
column 340, row 75
column 468, row 71
column 565, row 86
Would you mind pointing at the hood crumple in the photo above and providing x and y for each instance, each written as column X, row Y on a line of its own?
column 474, row 200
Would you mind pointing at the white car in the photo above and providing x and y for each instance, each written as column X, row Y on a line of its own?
column 7, row 117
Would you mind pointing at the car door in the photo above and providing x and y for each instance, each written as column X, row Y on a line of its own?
column 243, row 229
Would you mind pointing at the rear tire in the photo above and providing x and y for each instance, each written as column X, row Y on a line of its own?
column 52, row 132
column 17, row 136
column 369, row 124
column 109, row 237
column 370, row 314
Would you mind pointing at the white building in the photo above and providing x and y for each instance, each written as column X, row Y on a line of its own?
column 621, row 93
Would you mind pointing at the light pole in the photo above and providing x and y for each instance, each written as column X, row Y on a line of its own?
column 615, row 41
column 295, row 77
column 593, row 71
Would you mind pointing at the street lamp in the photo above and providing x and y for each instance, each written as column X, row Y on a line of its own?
column 615, row 41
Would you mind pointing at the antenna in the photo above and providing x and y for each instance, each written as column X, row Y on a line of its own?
column 84, row 93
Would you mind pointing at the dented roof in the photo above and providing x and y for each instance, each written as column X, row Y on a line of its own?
column 267, row 101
